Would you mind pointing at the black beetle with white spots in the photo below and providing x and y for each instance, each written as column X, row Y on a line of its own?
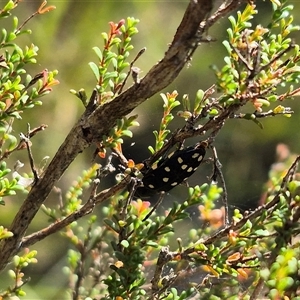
column 171, row 171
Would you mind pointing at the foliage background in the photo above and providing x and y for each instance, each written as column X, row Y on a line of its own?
column 65, row 38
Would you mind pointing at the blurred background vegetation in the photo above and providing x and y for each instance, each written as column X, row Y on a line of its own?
column 65, row 38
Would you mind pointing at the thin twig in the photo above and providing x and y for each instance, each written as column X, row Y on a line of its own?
column 222, row 11
column 158, row 202
column 25, row 22
column 218, row 170
column 134, row 185
column 270, row 113
column 86, row 209
column 26, row 140
column 276, row 57
column 257, row 290
column 130, row 69
column 163, row 258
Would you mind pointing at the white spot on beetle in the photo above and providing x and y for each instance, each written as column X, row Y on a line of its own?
column 167, row 169
column 174, row 183
column 183, row 167
column 170, row 155
column 190, row 169
column 180, row 160
column 151, row 186
column 154, row 167
column 200, row 158
column 165, row 179
column 195, row 155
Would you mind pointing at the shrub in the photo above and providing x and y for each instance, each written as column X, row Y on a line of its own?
column 128, row 251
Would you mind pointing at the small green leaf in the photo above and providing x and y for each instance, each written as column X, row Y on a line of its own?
column 285, row 283
column 262, row 232
column 259, row 124
column 95, row 70
column 125, row 243
column 127, row 133
column 98, row 52
column 9, row 6
column 11, row 36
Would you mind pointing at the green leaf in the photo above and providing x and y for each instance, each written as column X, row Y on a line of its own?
column 98, row 52
column 124, row 243
column 260, row 125
column 285, row 283
column 127, row 133
column 262, row 232
column 151, row 149
column 15, row 23
column 11, row 36
column 108, row 75
column 9, row 6
column 228, row 48
column 95, row 70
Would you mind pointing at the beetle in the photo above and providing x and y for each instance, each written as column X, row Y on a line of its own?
column 176, row 168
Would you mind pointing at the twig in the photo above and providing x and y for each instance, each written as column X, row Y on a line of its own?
column 26, row 140
column 86, row 209
column 22, row 145
column 26, row 21
column 276, row 57
column 218, row 171
column 32, row 132
column 16, row 288
column 270, row 113
column 222, row 11
column 158, row 202
column 134, row 184
column 107, row 169
column 80, row 268
column 130, row 69
column 257, row 290
column 163, row 258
